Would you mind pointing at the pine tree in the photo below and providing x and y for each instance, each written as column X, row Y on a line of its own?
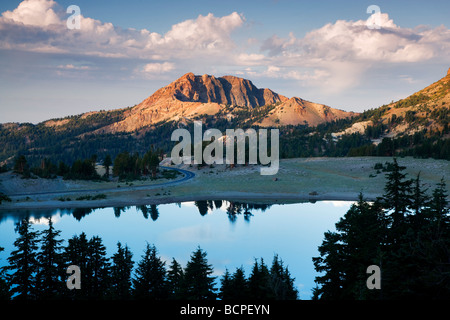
column 418, row 266
column 439, row 205
column 150, row 280
column 24, row 263
column 4, row 288
column 121, row 270
column 433, row 247
column 419, row 201
column 198, row 283
column 397, row 196
column 281, row 281
column 77, row 253
column 175, row 277
column 226, row 293
column 98, row 268
column 329, row 264
column 358, row 242
column 259, row 282
column 239, row 285
column 51, row 271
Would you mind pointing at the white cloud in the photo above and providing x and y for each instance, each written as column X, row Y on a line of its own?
column 342, row 52
column 158, row 68
column 34, row 13
column 332, row 58
column 73, row 67
column 35, row 26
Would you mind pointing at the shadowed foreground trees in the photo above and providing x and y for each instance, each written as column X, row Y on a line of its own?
column 37, row 271
column 406, row 233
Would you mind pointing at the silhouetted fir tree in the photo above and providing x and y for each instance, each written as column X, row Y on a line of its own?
column 121, row 270
column 175, row 277
column 434, row 245
column 51, row 273
column 345, row 254
column 198, row 283
column 420, row 200
column 239, row 285
column 439, row 208
column 420, row 264
column 412, row 253
column 23, row 263
column 150, row 276
column 329, row 264
column 225, row 292
column 281, row 281
column 397, row 197
column 259, row 282
column 77, row 253
column 4, row 288
column 97, row 268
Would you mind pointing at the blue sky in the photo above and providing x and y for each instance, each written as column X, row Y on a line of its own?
column 321, row 51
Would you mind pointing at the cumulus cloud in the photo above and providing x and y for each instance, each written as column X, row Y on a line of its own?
column 37, row 25
column 341, row 52
column 34, row 13
column 333, row 57
column 159, row 67
column 354, row 41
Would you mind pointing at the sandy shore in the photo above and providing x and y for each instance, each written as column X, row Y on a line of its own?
column 298, row 180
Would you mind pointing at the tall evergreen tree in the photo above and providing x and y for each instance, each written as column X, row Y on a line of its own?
column 77, row 253
column 23, row 263
column 411, row 248
column 51, row 271
column 98, row 268
column 345, row 254
column 4, row 288
column 175, row 276
column 150, row 280
column 198, row 283
column 281, row 281
column 226, row 292
column 239, row 285
column 397, row 196
column 259, row 282
column 121, row 269
column 420, row 200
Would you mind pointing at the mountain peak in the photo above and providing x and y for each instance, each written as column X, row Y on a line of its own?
column 192, row 96
column 448, row 72
column 227, row 90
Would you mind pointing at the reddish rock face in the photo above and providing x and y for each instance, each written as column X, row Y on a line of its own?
column 209, row 89
column 191, row 95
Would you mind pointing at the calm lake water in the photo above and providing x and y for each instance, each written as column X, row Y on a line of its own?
column 231, row 237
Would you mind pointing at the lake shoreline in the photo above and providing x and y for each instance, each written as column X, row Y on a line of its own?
column 298, row 180
column 228, row 196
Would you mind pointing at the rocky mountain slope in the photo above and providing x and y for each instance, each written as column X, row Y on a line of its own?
column 192, row 96
column 427, row 109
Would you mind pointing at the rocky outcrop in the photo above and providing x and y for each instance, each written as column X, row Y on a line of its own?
column 227, row 90
column 193, row 95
